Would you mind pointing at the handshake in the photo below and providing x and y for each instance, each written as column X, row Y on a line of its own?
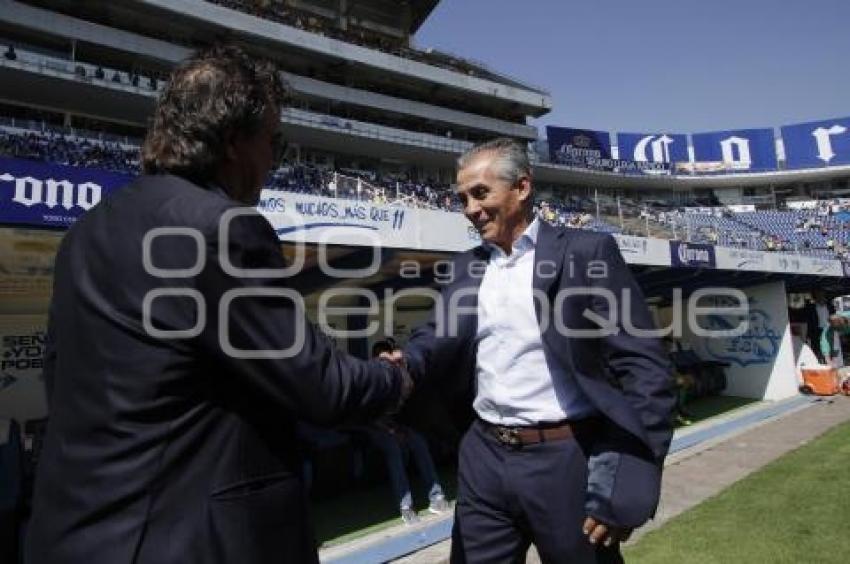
column 388, row 351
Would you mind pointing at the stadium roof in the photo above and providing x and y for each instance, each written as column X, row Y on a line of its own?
column 419, row 12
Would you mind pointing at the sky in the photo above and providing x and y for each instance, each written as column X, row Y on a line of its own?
column 677, row 66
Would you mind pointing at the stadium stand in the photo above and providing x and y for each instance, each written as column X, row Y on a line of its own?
column 50, row 143
column 363, row 35
column 819, row 232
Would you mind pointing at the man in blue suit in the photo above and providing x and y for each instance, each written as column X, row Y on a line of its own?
column 539, row 331
column 172, row 420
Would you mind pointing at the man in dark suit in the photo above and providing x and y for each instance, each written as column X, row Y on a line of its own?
column 178, row 362
column 539, row 332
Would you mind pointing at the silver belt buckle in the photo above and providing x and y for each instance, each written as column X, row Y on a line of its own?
column 508, row 436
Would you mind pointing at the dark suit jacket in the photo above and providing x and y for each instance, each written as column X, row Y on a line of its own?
column 626, row 378
column 170, row 450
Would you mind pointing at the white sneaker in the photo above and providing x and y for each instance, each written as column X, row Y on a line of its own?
column 438, row 505
column 409, row 516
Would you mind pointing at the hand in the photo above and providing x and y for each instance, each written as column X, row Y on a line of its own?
column 396, row 358
column 597, row 533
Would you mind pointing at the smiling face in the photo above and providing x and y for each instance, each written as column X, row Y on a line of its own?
column 496, row 207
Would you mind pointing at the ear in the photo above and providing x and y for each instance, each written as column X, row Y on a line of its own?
column 523, row 187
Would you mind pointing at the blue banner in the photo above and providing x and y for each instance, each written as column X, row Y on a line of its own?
column 666, row 148
column 691, row 255
column 577, row 147
column 741, row 150
column 817, row 143
column 50, row 195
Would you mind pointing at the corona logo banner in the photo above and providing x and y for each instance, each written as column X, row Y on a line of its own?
column 578, row 147
column 42, row 194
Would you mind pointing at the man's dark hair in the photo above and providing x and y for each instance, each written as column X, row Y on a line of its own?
column 212, row 95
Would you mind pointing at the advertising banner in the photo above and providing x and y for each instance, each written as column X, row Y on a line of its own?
column 22, row 339
column 577, row 147
column 661, row 148
column 587, row 148
column 691, row 255
column 742, row 150
column 817, row 143
column 50, row 195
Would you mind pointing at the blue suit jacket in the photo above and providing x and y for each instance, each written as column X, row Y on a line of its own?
column 627, row 378
column 163, row 450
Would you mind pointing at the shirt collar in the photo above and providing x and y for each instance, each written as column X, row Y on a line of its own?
column 525, row 242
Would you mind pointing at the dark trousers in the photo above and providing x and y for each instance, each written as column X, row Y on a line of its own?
column 511, row 497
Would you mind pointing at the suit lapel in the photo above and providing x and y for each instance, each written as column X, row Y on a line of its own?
column 470, row 278
column 548, row 260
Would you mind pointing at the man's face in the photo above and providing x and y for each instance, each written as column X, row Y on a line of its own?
column 253, row 155
column 494, row 206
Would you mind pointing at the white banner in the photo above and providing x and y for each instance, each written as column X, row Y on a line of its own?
column 728, row 258
column 644, row 250
column 798, row 264
column 738, row 208
column 314, row 219
column 802, row 205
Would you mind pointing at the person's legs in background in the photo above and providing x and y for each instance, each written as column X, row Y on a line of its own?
column 394, row 458
column 425, row 464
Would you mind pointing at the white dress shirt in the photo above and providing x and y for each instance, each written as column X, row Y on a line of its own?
column 516, row 383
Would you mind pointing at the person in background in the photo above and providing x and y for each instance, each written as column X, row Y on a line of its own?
column 394, row 440
column 830, row 340
column 816, row 314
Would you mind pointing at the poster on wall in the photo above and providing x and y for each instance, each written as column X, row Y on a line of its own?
column 760, row 362
column 22, row 393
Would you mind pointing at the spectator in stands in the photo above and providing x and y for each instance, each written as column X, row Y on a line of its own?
column 394, row 440
column 167, row 449
column 116, row 77
column 10, row 53
column 99, row 74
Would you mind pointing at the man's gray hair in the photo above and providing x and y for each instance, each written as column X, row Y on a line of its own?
column 512, row 162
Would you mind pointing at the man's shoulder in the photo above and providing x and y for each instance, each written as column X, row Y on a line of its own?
column 585, row 239
column 171, row 200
